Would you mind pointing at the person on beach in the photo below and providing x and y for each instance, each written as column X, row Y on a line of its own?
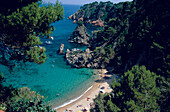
column 88, row 98
column 79, row 106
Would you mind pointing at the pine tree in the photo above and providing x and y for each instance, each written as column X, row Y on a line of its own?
column 136, row 91
column 21, row 100
column 21, row 25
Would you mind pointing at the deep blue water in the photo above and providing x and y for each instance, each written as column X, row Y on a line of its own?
column 55, row 76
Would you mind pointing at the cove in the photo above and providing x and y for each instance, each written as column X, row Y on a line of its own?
column 55, row 76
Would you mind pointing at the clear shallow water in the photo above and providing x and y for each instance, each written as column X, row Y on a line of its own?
column 55, row 76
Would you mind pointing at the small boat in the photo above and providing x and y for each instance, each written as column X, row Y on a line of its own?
column 48, row 42
column 52, row 38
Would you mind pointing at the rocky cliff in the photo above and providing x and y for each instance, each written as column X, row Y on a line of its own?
column 94, row 13
column 79, row 59
column 80, row 35
column 132, row 35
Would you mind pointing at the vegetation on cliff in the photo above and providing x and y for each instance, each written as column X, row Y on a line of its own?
column 136, row 91
column 93, row 13
column 80, row 34
column 21, row 25
column 136, row 33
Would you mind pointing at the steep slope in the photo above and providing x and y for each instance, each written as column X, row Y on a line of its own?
column 93, row 13
column 136, row 33
column 80, row 35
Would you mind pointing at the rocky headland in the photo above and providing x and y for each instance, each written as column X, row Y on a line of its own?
column 80, row 35
column 94, row 13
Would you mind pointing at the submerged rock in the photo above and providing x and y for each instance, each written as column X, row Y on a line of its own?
column 80, row 35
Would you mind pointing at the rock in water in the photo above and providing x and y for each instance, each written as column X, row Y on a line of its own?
column 80, row 35
column 61, row 49
column 79, row 59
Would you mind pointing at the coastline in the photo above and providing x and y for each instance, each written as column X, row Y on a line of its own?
column 86, row 99
column 73, row 100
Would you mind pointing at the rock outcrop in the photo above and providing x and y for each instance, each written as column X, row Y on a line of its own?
column 79, row 59
column 61, row 50
column 80, row 35
column 96, row 22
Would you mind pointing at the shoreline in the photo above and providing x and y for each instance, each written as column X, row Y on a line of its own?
column 86, row 99
column 74, row 100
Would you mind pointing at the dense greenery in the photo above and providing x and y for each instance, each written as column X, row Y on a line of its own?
column 136, row 33
column 79, row 23
column 95, row 11
column 21, row 24
column 21, row 100
column 136, row 91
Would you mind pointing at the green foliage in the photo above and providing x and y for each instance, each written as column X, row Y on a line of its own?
column 37, row 54
column 22, row 25
column 96, row 11
column 5, row 92
column 21, row 100
column 136, row 32
column 136, row 91
column 79, row 23
column 26, row 101
column 164, row 85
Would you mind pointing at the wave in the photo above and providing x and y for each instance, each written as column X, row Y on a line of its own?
column 73, row 100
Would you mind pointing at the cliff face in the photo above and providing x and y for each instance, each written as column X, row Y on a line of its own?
column 132, row 35
column 80, row 35
column 94, row 13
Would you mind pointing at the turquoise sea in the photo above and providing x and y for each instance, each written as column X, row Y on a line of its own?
column 55, row 76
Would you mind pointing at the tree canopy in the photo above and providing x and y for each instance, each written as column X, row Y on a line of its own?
column 21, row 26
column 136, row 91
column 137, row 33
column 21, row 100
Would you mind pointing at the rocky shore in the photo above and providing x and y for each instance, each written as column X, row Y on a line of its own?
column 96, row 22
column 79, row 59
column 80, row 35
column 94, row 13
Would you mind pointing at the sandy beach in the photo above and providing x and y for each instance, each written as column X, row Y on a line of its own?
column 87, row 99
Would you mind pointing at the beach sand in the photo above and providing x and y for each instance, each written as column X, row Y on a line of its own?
column 88, row 97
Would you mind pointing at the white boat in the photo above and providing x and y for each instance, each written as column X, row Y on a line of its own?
column 48, row 42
